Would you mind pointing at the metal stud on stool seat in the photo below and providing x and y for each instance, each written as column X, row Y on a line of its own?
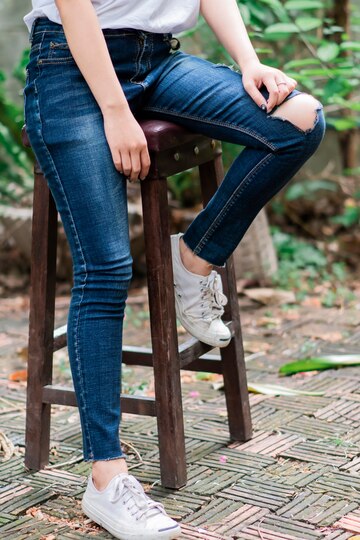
column 172, row 149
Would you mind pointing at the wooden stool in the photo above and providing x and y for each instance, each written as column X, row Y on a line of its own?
column 172, row 149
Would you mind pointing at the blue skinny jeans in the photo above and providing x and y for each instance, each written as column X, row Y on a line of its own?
column 65, row 128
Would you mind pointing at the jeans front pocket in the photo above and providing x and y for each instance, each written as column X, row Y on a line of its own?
column 56, row 51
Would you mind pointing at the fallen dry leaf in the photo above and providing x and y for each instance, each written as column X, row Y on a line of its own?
column 256, row 346
column 269, row 296
column 35, row 512
column 266, row 321
column 312, row 301
column 185, row 378
column 330, row 336
column 6, row 447
column 20, row 375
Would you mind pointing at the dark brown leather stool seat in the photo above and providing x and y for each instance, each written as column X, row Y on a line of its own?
column 172, row 150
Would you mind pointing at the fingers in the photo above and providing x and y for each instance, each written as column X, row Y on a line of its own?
column 291, row 83
column 145, row 163
column 128, row 146
column 140, row 164
column 134, row 165
column 277, row 93
column 116, row 157
column 126, row 164
column 254, row 93
column 278, row 84
column 279, row 87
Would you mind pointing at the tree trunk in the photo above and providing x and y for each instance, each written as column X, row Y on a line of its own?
column 340, row 12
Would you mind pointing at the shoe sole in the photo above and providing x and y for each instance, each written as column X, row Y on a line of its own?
column 201, row 337
column 93, row 514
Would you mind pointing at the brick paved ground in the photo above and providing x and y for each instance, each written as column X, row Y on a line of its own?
column 298, row 478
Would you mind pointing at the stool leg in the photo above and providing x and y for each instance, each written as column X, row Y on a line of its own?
column 41, row 323
column 232, row 356
column 166, row 359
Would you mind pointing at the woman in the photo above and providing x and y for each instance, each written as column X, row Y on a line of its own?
column 93, row 66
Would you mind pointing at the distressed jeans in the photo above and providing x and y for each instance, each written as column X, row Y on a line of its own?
column 66, row 131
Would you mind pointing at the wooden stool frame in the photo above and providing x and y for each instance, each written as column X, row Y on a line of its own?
column 172, row 149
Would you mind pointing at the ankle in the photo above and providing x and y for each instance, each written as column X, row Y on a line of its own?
column 193, row 262
column 104, row 470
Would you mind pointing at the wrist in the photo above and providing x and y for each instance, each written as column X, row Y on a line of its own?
column 111, row 108
column 248, row 61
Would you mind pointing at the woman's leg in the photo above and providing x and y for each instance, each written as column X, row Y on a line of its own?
column 211, row 99
column 65, row 128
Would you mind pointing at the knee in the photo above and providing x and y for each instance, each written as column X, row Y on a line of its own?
column 113, row 274
column 118, row 271
column 301, row 110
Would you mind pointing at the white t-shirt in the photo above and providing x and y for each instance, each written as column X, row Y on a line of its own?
column 159, row 16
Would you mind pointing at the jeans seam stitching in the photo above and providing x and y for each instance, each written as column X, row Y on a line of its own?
column 46, row 62
column 213, row 121
column 138, row 59
column 230, row 202
column 151, row 51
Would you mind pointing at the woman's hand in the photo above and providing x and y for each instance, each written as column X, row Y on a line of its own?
column 278, row 84
column 226, row 21
column 127, row 143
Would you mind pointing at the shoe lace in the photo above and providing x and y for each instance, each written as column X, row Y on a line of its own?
column 133, row 496
column 213, row 299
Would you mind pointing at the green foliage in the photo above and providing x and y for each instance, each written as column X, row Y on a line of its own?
column 15, row 162
column 308, row 189
column 299, row 253
column 185, row 188
column 299, row 37
column 304, row 266
column 320, row 363
column 350, row 216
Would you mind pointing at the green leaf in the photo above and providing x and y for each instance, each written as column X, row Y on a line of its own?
column 281, row 29
column 203, row 376
column 342, row 124
column 272, row 3
column 324, row 72
column 303, row 4
column 263, row 50
column 277, row 8
column 350, row 46
column 337, row 86
column 245, row 13
column 278, row 390
column 328, row 51
column 351, row 216
column 320, row 362
column 300, row 63
column 308, row 189
column 308, row 23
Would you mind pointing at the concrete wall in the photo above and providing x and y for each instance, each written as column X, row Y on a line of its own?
column 13, row 37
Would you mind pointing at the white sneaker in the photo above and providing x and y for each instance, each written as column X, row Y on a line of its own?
column 124, row 510
column 199, row 301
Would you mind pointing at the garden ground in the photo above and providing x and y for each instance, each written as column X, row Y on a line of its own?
column 297, row 478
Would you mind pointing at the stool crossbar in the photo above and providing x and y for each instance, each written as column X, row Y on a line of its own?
column 172, row 149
